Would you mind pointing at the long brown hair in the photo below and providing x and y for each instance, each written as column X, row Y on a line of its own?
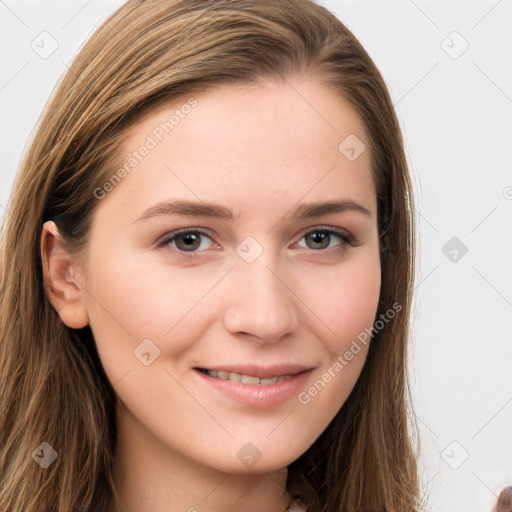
column 53, row 387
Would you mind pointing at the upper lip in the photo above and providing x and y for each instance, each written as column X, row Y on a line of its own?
column 263, row 372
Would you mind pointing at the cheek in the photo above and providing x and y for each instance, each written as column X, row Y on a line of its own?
column 346, row 301
column 347, row 305
column 131, row 301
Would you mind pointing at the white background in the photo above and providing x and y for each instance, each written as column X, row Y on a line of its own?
column 456, row 113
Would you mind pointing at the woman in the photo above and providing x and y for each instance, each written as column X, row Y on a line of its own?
column 207, row 273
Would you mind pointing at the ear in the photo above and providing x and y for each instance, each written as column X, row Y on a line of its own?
column 63, row 290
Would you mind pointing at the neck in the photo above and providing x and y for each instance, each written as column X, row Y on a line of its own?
column 149, row 476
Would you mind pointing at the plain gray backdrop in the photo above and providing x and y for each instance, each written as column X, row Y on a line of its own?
column 448, row 67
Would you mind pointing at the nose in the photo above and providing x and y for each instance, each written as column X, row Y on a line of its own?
column 260, row 303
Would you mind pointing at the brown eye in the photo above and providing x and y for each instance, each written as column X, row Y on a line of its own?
column 318, row 240
column 188, row 241
column 322, row 239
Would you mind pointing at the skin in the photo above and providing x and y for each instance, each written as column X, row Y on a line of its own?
column 260, row 150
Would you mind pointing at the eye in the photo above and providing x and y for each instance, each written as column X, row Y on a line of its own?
column 187, row 240
column 326, row 238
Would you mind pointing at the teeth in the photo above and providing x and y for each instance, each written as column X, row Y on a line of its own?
column 245, row 379
column 235, row 377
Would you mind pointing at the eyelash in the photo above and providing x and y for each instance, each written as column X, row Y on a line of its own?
column 347, row 240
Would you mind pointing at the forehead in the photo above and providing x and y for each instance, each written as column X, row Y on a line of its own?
column 244, row 114
column 251, row 140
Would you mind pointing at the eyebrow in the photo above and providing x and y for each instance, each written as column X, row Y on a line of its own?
column 202, row 209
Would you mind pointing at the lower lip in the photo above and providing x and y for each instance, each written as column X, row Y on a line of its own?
column 256, row 395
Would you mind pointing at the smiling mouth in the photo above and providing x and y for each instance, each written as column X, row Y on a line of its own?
column 244, row 379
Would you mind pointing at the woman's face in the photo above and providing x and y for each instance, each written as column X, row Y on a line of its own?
column 270, row 274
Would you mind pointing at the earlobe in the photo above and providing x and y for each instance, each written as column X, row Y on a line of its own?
column 62, row 288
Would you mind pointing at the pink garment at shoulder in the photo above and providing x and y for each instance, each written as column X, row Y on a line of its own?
column 297, row 506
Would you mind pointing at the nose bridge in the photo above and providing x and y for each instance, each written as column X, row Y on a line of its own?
column 260, row 304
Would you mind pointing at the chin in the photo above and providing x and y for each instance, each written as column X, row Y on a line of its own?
column 257, row 457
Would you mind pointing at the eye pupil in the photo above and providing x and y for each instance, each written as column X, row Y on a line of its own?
column 319, row 238
column 190, row 241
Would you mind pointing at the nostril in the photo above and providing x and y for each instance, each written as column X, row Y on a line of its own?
column 504, row 502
